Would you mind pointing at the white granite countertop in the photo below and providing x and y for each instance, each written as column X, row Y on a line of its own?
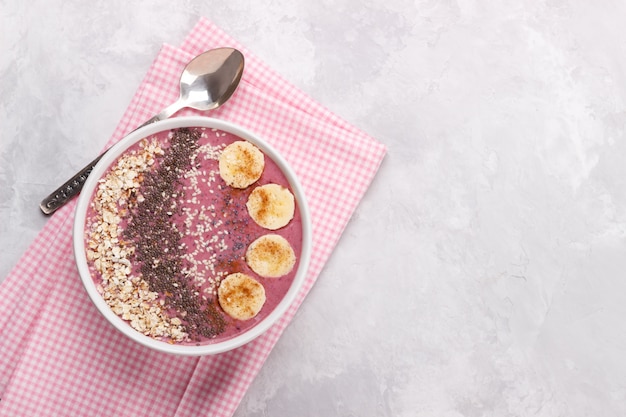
column 485, row 266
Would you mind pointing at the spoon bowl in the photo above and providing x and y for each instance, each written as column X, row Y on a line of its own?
column 207, row 82
column 210, row 80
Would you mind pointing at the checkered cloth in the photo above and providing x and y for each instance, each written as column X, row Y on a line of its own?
column 58, row 355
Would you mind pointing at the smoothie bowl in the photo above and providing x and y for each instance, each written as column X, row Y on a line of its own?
column 192, row 236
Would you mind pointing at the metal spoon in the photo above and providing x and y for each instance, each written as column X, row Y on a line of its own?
column 206, row 83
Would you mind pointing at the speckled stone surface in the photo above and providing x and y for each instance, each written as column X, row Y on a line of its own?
column 483, row 273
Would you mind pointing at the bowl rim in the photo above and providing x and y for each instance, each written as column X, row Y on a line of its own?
column 79, row 245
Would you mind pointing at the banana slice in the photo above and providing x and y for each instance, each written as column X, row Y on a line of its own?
column 271, row 206
column 270, row 256
column 241, row 164
column 241, row 296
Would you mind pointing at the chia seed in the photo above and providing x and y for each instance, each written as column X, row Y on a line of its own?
column 158, row 243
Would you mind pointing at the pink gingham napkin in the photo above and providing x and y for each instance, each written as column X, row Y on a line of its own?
column 58, row 356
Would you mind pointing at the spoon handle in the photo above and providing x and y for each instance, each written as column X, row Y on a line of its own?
column 64, row 193
column 72, row 187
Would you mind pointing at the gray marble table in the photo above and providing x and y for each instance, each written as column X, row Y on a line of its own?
column 485, row 264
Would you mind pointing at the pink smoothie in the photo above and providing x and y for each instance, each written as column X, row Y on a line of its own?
column 180, row 231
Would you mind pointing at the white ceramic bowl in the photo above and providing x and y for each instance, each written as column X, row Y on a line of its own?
column 88, row 281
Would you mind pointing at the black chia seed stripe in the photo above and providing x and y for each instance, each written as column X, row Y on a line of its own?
column 157, row 242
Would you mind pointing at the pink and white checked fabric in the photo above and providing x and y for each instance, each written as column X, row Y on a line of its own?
column 59, row 357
